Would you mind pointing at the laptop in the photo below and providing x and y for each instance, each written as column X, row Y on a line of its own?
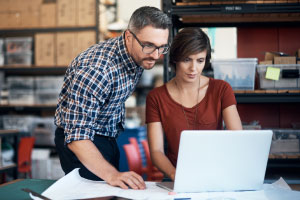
column 222, row 160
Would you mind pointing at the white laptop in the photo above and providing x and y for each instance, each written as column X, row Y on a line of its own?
column 211, row 161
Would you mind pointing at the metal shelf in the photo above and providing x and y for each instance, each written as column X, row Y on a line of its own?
column 233, row 9
column 267, row 97
column 12, row 166
column 33, row 70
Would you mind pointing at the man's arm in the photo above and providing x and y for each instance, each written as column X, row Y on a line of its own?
column 92, row 159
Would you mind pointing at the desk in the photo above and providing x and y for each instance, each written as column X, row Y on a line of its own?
column 12, row 190
column 13, row 166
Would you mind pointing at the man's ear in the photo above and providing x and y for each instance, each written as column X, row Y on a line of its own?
column 128, row 36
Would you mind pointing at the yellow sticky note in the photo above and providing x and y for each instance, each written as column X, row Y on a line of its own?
column 273, row 73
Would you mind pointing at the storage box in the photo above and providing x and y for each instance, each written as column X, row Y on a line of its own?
column 44, row 131
column 24, row 123
column 18, row 45
column 285, row 141
column 66, row 13
column 86, row 13
column 21, row 97
column 20, row 83
column 48, row 15
column 49, row 82
column 1, row 45
column 239, row 73
column 1, row 59
column 44, row 51
column 46, row 97
column 24, row 59
column 286, row 80
column 285, row 60
column 84, row 40
column 66, row 48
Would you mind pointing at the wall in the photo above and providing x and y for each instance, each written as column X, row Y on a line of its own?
column 253, row 42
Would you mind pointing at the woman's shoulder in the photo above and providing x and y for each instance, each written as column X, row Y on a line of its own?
column 158, row 91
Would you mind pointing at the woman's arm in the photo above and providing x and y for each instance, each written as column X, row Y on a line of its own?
column 231, row 118
column 156, row 145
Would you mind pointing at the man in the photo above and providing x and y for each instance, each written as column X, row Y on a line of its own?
column 91, row 111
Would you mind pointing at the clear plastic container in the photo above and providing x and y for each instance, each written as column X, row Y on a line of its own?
column 18, row 44
column 21, row 97
column 239, row 73
column 46, row 97
column 1, row 45
column 1, row 59
column 20, row 83
column 285, row 141
column 24, row 59
column 49, row 82
column 287, row 78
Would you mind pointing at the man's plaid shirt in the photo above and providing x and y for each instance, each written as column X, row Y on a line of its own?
column 96, row 86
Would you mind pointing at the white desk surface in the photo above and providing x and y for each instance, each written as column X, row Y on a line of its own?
column 72, row 186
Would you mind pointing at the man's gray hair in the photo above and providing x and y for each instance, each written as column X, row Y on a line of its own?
column 147, row 15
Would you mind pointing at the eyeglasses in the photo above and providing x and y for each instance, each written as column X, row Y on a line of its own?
column 150, row 48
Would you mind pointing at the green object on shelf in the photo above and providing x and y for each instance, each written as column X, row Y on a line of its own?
column 14, row 191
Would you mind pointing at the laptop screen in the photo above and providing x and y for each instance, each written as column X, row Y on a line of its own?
column 222, row 160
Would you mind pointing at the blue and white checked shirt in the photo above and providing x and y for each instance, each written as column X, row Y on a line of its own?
column 96, row 86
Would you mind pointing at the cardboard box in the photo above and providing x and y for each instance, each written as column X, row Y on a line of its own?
column 85, row 39
column 66, row 48
column 48, row 15
column 45, row 49
column 266, row 62
column 66, row 13
column 86, row 13
column 10, row 19
column 270, row 55
column 30, row 17
column 4, row 6
column 285, row 60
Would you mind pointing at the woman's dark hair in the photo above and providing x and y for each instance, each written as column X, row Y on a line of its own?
column 187, row 42
column 148, row 15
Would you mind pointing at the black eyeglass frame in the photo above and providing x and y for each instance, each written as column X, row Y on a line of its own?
column 165, row 48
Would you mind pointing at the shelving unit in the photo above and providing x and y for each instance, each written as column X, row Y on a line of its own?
column 13, row 166
column 91, row 9
column 268, row 105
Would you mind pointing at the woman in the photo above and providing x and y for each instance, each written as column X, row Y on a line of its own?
column 188, row 101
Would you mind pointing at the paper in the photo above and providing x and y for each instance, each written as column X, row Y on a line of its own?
column 72, row 186
column 273, row 73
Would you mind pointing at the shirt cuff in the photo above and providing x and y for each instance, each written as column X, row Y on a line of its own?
column 75, row 134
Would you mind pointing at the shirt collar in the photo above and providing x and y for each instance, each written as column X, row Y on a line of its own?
column 126, row 58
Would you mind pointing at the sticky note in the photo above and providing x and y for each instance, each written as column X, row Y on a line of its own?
column 273, row 73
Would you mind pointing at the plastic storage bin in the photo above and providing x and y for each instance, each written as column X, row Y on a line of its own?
column 49, row 82
column 18, row 44
column 288, row 78
column 20, row 83
column 46, row 97
column 24, row 59
column 285, row 141
column 21, row 97
column 1, row 59
column 1, row 45
column 239, row 73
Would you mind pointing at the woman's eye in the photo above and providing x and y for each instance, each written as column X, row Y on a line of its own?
column 186, row 60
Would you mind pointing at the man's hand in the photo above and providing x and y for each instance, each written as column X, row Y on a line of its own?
column 127, row 180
